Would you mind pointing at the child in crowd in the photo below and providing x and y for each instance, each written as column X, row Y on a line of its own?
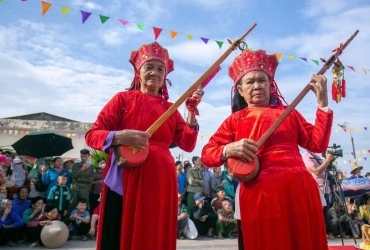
column 10, row 224
column 35, row 226
column 60, row 195
column 79, row 220
column 357, row 223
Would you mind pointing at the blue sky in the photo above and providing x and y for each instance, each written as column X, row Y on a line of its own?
column 61, row 66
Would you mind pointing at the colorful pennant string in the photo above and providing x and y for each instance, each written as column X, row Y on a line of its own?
column 45, row 6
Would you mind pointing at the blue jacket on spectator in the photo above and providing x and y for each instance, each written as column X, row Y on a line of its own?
column 19, row 208
column 50, row 178
column 11, row 219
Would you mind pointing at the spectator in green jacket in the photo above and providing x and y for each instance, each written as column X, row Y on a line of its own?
column 195, row 181
column 83, row 175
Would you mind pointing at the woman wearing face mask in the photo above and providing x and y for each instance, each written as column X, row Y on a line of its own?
column 96, row 185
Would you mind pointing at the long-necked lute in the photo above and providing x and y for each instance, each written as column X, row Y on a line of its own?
column 132, row 157
column 245, row 171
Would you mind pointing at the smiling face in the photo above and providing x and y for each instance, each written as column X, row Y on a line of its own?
column 255, row 89
column 152, row 75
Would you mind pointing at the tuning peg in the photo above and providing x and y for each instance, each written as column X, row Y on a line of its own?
column 323, row 60
column 229, row 41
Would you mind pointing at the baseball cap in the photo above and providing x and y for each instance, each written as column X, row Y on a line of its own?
column 219, row 188
column 199, row 197
column 17, row 161
column 3, row 159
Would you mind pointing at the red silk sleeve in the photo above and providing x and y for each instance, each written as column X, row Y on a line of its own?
column 108, row 120
column 315, row 138
column 185, row 137
column 212, row 151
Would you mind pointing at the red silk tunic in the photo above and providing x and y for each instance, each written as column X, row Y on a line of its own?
column 149, row 216
column 281, row 208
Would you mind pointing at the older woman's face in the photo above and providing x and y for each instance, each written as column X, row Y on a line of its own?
column 152, row 75
column 255, row 89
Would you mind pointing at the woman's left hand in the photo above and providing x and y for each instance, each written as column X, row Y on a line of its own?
column 198, row 94
column 320, row 90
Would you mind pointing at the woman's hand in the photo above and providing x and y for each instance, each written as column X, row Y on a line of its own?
column 134, row 138
column 198, row 94
column 245, row 149
column 320, row 90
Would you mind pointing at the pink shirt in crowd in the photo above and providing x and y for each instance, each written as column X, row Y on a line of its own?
column 309, row 160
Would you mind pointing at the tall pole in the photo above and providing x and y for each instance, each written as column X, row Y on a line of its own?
column 353, row 146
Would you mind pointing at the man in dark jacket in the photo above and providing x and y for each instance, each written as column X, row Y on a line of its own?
column 203, row 216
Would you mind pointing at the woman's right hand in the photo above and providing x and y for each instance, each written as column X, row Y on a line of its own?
column 134, row 138
column 245, row 149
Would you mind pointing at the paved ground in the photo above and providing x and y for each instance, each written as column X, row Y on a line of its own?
column 200, row 243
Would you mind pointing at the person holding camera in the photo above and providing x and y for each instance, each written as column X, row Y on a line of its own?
column 317, row 167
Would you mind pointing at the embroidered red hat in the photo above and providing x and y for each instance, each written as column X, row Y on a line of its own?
column 251, row 61
column 148, row 52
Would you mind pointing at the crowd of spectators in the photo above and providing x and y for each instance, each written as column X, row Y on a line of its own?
column 57, row 189
column 206, row 197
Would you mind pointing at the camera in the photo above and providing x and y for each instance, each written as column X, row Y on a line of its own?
column 336, row 152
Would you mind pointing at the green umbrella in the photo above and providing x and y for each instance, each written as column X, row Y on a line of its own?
column 43, row 144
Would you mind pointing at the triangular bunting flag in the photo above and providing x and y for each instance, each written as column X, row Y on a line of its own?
column 140, row 26
column 16, row 132
column 304, row 59
column 124, row 22
column 85, row 15
column 22, row 132
column 27, row 132
column 173, row 34
column 68, row 135
column 337, row 130
column 279, row 56
column 351, row 129
column 365, row 128
column 157, row 32
column 201, row 137
column 344, row 162
column 190, row 37
column 354, row 160
column 45, row 7
column 351, row 68
column 346, row 154
column 5, row 131
column 349, row 161
column 358, row 152
column 364, row 152
column 315, row 61
column 65, row 10
column 291, row 57
column 10, row 132
column 103, row 19
column 359, row 129
column 365, row 158
column 352, row 153
column 205, row 40
column 219, row 43
column 73, row 135
column 345, row 130
column 79, row 136
column 363, row 70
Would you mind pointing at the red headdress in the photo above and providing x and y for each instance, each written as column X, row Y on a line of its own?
column 257, row 60
column 148, row 52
